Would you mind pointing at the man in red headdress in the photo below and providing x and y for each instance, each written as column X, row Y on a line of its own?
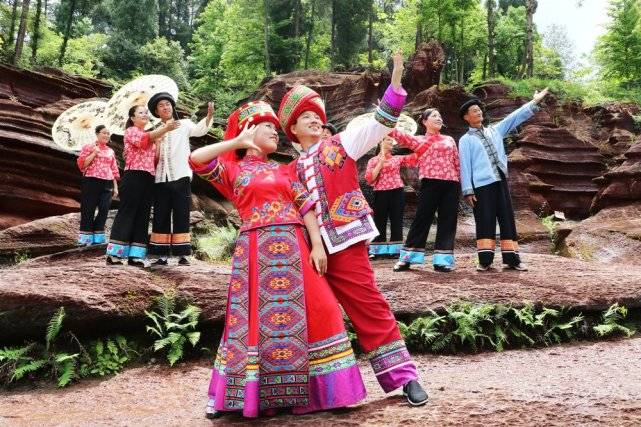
column 328, row 169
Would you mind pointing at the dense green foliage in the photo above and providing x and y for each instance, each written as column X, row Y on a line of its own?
column 223, row 49
column 63, row 357
column 471, row 327
column 173, row 328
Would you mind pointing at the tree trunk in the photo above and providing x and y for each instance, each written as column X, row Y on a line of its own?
column 297, row 14
column 63, row 48
column 310, row 34
column 22, row 30
column 333, row 41
column 484, row 66
column 530, row 9
column 462, row 53
column 491, row 22
column 36, row 32
column 266, row 37
column 162, row 17
column 419, row 35
column 370, row 42
column 12, row 27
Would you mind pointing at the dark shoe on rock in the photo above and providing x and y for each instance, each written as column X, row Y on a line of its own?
column 372, row 257
column 159, row 262
column 112, row 260
column 482, row 267
column 184, row 261
column 137, row 262
column 401, row 266
column 213, row 415
column 519, row 267
column 443, row 268
column 414, row 393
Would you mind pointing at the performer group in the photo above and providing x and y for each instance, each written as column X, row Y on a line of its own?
column 307, row 235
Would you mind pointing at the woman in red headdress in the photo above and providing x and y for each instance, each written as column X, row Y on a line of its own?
column 284, row 343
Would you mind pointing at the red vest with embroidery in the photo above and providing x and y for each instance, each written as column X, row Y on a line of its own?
column 336, row 174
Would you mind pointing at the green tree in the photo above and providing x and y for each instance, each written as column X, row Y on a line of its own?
column 618, row 51
column 132, row 27
column 350, row 17
column 162, row 56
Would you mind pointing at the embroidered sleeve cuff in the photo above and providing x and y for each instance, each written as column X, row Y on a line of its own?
column 307, row 205
column 390, row 106
column 209, row 172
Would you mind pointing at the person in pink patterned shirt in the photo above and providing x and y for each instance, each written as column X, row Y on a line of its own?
column 129, row 233
column 383, row 173
column 439, row 169
column 97, row 162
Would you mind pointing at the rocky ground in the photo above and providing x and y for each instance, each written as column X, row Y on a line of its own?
column 105, row 298
column 571, row 385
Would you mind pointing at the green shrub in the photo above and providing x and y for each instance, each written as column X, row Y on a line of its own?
column 217, row 244
column 106, row 356
column 18, row 362
column 173, row 328
column 610, row 322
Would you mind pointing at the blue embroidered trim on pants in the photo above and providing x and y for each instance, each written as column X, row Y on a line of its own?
column 118, row 250
column 85, row 239
column 412, row 256
column 99, row 238
column 443, row 259
column 137, row 252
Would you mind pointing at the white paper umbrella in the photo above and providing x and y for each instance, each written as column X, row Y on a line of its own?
column 136, row 92
column 405, row 122
column 75, row 127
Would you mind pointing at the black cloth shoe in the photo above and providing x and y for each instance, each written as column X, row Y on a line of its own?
column 137, row 262
column 443, row 268
column 214, row 415
column 159, row 262
column 414, row 393
column 401, row 266
column 184, row 261
column 372, row 257
column 113, row 260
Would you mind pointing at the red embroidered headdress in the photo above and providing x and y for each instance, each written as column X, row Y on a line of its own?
column 295, row 102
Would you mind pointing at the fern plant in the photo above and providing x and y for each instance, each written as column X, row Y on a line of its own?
column 610, row 322
column 423, row 331
column 22, row 361
column 469, row 323
column 173, row 329
column 557, row 327
column 106, row 357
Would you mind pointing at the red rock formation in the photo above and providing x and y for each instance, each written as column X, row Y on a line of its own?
column 564, row 168
column 613, row 235
column 36, row 89
column 102, row 299
column 423, row 68
column 621, row 185
column 346, row 95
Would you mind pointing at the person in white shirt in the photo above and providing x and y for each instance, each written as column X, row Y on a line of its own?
column 172, row 191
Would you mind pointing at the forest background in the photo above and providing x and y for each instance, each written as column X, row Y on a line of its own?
column 223, row 49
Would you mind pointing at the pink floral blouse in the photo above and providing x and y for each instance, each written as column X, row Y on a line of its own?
column 102, row 166
column 437, row 155
column 140, row 151
column 389, row 177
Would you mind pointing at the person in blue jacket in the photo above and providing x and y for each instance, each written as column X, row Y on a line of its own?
column 484, row 180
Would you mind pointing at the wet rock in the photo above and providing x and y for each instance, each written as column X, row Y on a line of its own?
column 612, row 236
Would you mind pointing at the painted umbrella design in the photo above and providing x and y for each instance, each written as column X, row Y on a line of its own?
column 136, row 92
column 75, row 127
